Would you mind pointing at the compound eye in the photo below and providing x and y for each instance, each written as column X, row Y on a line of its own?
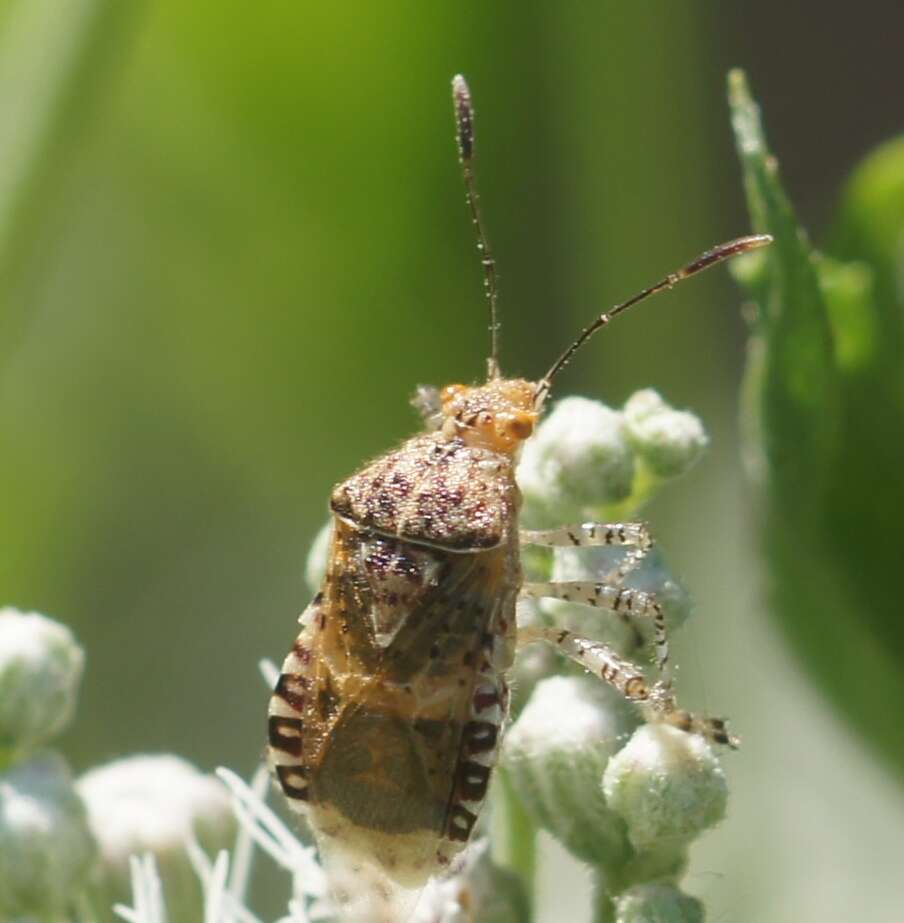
column 485, row 419
column 517, row 426
column 521, row 425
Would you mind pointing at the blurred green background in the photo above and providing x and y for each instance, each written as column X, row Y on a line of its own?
column 232, row 240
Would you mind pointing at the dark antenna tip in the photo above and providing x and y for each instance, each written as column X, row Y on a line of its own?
column 464, row 117
column 464, row 123
column 704, row 261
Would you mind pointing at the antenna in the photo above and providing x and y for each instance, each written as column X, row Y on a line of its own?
column 704, row 261
column 464, row 122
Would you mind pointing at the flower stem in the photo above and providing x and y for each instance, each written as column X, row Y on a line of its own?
column 515, row 835
column 603, row 907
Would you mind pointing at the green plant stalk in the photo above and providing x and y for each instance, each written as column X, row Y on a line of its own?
column 603, row 905
column 514, row 841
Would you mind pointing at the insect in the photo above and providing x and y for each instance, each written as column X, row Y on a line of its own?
column 386, row 720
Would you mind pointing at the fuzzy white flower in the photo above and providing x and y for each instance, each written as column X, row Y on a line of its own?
column 154, row 805
column 668, row 440
column 555, row 755
column 46, row 848
column 667, row 785
column 224, row 880
column 40, row 671
column 580, row 457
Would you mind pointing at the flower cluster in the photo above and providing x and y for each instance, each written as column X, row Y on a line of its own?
column 586, row 458
column 626, row 798
column 46, row 848
column 68, row 847
column 153, row 805
column 150, row 839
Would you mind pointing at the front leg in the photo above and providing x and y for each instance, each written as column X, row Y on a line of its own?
column 591, row 533
column 657, row 701
column 633, row 535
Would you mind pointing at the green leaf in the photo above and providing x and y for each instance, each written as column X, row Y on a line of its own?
column 824, row 422
column 848, row 290
column 870, row 228
column 796, row 399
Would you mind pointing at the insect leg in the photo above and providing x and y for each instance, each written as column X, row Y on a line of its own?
column 658, row 701
column 633, row 535
column 614, row 598
column 591, row 533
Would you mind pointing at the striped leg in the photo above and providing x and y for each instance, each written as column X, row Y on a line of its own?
column 633, row 535
column 657, row 701
column 613, row 598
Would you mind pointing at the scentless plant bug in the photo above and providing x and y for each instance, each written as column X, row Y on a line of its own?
column 386, row 721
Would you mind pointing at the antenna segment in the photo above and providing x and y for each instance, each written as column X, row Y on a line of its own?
column 464, row 121
column 704, row 261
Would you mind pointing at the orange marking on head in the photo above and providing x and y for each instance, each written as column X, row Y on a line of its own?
column 498, row 415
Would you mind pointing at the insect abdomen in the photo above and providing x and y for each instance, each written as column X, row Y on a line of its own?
column 286, row 725
column 385, row 722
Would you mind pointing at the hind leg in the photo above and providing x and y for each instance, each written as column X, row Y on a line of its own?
column 657, row 701
column 612, row 598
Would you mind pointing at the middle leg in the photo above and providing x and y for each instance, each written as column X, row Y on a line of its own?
column 613, row 598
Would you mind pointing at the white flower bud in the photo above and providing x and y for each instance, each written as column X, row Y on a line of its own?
column 46, row 848
column 555, row 755
column 40, row 670
column 667, row 785
column 579, row 458
column 657, row 903
column 153, row 804
column 669, row 441
column 315, row 565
